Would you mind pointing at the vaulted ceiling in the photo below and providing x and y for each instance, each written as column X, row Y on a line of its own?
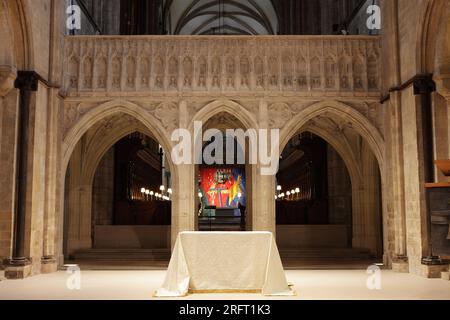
column 235, row 17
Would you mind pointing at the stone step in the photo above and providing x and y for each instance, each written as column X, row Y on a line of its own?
column 326, row 253
column 164, row 254
column 122, row 255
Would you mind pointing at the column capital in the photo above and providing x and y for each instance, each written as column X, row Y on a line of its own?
column 424, row 84
column 28, row 80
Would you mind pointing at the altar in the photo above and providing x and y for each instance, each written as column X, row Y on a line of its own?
column 225, row 262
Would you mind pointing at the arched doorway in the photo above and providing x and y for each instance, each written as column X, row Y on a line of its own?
column 329, row 206
column 118, row 195
column 224, row 176
column 314, row 196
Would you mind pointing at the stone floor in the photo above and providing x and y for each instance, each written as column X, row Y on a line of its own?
column 310, row 285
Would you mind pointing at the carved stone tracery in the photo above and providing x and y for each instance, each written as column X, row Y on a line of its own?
column 290, row 64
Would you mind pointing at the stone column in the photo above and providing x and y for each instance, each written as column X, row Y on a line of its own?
column 30, row 177
column 184, row 187
column 263, row 191
column 396, row 207
column 53, row 174
column 418, row 153
column 9, row 101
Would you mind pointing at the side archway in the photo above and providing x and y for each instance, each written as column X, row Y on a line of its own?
column 360, row 123
column 122, row 118
column 361, row 147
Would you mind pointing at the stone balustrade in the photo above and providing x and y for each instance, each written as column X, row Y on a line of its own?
column 338, row 65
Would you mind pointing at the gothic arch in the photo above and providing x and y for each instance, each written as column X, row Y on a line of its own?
column 343, row 150
column 144, row 123
column 248, row 120
column 228, row 106
column 360, row 123
column 108, row 109
column 15, row 30
column 366, row 234
column 430, row 33
column 96, row 152
column 441, row 61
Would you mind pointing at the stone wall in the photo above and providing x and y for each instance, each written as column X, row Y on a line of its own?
column 8, row 113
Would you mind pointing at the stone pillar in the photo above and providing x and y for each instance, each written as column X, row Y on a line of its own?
column 184, row 213
column 53, row 175
column 418, row 153
column 9, row 101
column 30, row 177
column 263, row 191
column 395, row 186
column 264, row 208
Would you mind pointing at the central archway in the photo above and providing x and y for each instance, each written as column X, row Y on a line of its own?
column 222, row 115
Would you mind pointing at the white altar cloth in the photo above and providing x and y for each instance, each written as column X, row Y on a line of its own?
column 208, row 262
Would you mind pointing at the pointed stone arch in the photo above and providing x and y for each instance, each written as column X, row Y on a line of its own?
column 103, row 111
column 248, row 119
column 144, row 123
column 360, row 123
column 17, row 51
column 373, row 142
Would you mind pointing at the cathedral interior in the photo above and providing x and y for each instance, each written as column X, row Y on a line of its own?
column 92, row 91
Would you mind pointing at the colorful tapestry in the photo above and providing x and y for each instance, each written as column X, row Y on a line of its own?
column 221, row 187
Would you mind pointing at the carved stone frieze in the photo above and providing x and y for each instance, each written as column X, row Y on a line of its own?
column 202, row 64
